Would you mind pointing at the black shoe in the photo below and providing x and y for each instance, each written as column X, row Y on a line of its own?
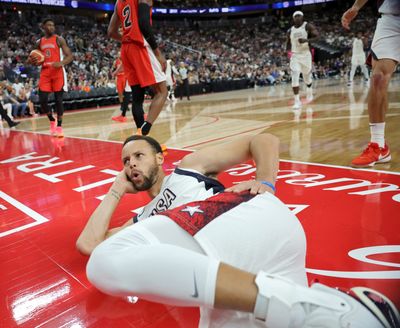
column 13, row 124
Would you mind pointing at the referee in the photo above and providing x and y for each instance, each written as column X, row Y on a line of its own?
column 184, row 81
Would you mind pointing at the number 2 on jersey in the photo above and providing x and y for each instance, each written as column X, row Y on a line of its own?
column 127, row 17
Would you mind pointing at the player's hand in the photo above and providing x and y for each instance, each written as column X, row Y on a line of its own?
column 57, row 64
column 348, row 16
column 33, row 61
column 255, row 187
column 161, row 59
column 123, row 184
column 302, row 40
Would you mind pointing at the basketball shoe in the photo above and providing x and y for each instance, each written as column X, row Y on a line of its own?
column 59, row 132
column 284, row 304
column 53, row 127
column 310, row 96
column 371, row 155
column 119, row 118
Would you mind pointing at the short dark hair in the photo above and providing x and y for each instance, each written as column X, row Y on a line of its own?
column 151, row 141
column 47, row 20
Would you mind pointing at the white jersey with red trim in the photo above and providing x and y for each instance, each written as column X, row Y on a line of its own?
column 181, row 187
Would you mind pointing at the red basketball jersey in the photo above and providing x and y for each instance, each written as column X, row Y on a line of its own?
column 51, row 50
column 127, row 11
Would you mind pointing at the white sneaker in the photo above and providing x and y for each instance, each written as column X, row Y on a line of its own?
column 285, row 304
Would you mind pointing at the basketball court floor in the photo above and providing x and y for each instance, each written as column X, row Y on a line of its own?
column 49, row 187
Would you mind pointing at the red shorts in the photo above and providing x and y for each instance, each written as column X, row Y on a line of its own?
column 52, row 80
column 141, row 65
column 121, row 83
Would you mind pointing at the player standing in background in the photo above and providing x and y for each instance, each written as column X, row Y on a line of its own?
column 119, row 77
column 297, row 45
column 144, row 64
column 385, row 50
column 170, row 72
column 358, row 58
column 52, row 76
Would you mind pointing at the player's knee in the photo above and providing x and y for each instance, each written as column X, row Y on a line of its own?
column 269, row 138
column 107, row 270
column 380, row 80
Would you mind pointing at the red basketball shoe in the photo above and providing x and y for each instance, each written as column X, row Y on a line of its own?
column 53, row 127
column 119, row 118
column 371, row 155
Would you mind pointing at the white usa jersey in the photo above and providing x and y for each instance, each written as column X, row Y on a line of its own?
column 181, row 187
column 390, row 7
column 358, row 47
column 297, row 33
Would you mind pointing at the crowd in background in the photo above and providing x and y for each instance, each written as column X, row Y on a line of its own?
column 217, row 50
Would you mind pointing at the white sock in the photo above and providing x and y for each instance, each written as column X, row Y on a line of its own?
column 297, row 98
column 378, row 133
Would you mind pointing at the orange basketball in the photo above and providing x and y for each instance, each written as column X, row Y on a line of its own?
column 37, row 57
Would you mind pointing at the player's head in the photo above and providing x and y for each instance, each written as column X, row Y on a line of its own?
column 48, row 26
column 359, row 34
column 298, row 18
column 142, row 157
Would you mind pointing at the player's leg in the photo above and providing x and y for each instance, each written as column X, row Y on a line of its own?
column 158, row 261
column 59, row 85
column 386, row 50
column 120, row 88
column 160, row 96
column 129, row 53
column 364, row 69
column 123, row 100
column 295, row 71
column 125, row 104
column 45, row 109
column 137, row 106
column 150, row 73
column 4, row 116
column 306, row 70
column 58, row 96
column 352, row 73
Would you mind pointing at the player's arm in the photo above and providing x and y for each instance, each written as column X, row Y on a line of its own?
column 352, row 12
column 97, row 227
column 113, row 26
column 31, row 60
column 144, row 9
column 288, row 42
column 68, row 56
column 262, row 148
column 313, row 34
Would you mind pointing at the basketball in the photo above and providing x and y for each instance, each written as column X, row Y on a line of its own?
column 37, row 57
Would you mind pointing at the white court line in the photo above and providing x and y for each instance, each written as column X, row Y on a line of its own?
column 385, row 274
column 188, row 149
column 39, row 219
column 341, row 167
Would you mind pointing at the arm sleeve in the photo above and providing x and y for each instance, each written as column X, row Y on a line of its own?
column 145, row 26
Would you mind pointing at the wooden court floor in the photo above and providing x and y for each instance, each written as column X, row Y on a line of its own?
column 331, row 130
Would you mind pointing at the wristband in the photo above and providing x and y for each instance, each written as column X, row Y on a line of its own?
column 269, row 184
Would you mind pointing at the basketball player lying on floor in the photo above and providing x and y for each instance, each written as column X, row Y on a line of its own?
column 239, row 255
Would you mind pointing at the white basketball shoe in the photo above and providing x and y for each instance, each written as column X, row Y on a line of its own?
column 283, row 304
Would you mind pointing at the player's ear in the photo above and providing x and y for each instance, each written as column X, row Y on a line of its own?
column 160, row 158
